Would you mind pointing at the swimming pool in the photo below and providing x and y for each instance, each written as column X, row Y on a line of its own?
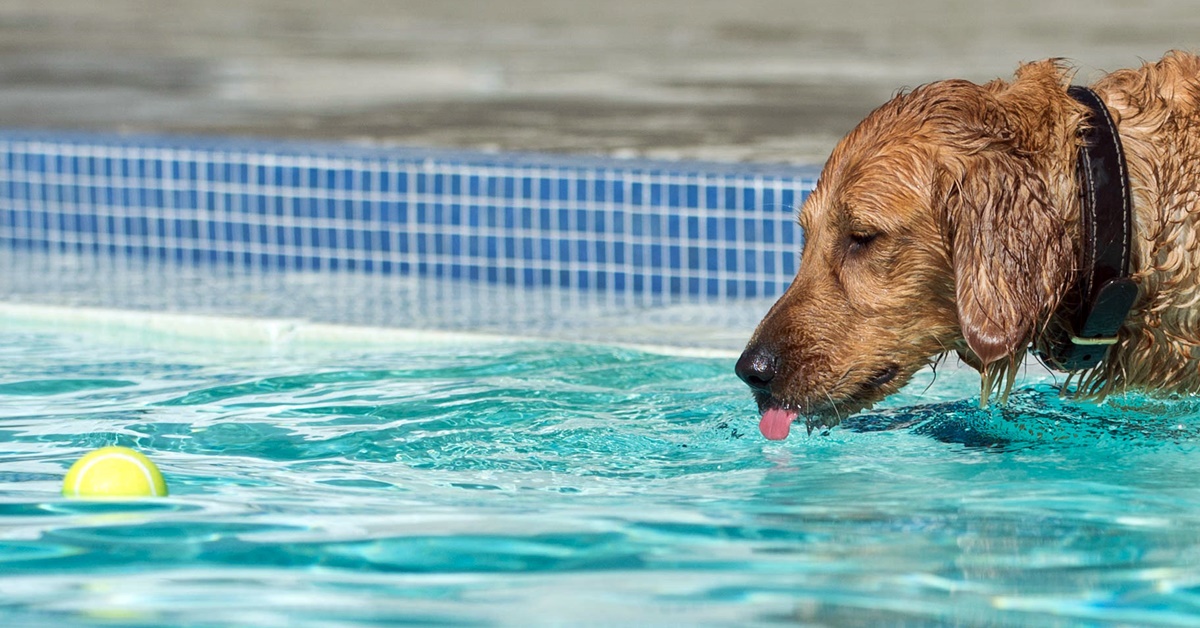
column 353, row 439
column 487, row 480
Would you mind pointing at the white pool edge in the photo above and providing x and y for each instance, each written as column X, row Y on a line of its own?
column 279, row 332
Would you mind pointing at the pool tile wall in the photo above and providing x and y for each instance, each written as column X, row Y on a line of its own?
column 721, row 231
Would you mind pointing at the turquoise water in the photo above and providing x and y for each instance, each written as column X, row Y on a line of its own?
column 551, row 483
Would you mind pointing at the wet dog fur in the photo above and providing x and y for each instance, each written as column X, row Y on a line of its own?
column 947, row 222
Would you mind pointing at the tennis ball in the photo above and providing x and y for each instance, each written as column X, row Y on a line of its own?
column 114, row 472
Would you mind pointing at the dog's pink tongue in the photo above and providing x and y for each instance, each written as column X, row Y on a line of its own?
column 776, row 423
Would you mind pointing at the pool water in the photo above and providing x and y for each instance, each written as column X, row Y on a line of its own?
column 483, row 481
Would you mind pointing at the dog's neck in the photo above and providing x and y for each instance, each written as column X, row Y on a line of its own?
column 1157, row 110
column 1098, row 303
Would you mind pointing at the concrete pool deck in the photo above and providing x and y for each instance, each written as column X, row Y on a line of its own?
column 758, row 80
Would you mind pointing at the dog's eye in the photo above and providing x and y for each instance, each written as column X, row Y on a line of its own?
column 860, row 240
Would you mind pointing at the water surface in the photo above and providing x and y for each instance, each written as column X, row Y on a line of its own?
column 516, row 482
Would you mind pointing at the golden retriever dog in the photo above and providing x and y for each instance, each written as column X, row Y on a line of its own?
column 950, row 220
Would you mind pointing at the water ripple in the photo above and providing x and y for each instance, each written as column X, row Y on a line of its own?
column 404, row 484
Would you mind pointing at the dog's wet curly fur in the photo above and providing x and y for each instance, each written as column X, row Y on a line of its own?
column 948, row 221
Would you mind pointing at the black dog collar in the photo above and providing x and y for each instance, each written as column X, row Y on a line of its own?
column 1100, row 301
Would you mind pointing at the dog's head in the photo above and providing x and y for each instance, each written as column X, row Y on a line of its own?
column 937, row 225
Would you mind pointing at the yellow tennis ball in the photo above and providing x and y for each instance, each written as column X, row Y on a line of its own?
column 114, row 472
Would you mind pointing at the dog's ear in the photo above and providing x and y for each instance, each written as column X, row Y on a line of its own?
column 1010, row 249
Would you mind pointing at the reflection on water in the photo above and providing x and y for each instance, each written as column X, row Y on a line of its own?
column 483, row 483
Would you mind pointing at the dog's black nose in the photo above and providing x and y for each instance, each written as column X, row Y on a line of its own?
column 757, row 367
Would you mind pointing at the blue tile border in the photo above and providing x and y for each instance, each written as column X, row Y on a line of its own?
column 611, row 225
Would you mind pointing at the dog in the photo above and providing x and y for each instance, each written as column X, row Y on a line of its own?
column 950, row 221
